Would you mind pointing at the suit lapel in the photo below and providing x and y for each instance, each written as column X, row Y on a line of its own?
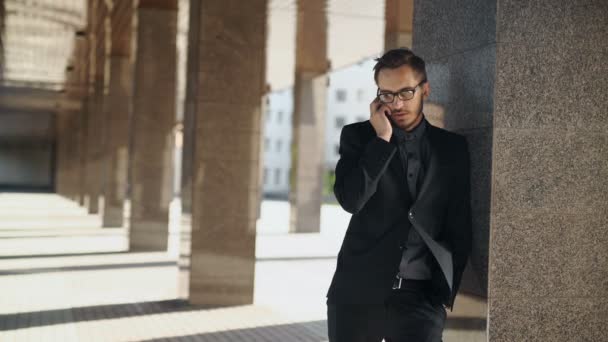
column 441, row 253
column 433, row 166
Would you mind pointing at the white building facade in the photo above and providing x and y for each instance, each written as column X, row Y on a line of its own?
column 351, row 89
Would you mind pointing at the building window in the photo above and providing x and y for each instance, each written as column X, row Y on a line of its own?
column 268, row 116
column 337, row 149
column 279, row 117
column 279, row 144
column 277, row 176
column 360, row 95
column 341, row 95
column 265, row 176
column 266, row 144
column 340, row 121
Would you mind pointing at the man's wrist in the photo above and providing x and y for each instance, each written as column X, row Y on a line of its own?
column 384, row 137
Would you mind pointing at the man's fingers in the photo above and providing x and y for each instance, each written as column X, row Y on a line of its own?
column 378, row 108
column 373, row 107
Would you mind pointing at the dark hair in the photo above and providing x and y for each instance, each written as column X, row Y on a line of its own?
column 395, row 58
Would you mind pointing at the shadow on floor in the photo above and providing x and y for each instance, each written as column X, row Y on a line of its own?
column 91, row 313
column 39, row 270
column 315, row 331
column 61, row 255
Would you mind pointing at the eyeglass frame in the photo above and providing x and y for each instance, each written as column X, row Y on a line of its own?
column 397, row 94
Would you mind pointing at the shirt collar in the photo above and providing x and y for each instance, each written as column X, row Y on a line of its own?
column 414, row 134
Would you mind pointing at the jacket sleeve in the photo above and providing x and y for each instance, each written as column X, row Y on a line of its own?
column 359, row 168
column 459, row 218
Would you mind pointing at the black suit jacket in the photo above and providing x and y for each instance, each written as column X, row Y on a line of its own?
column 370, row 185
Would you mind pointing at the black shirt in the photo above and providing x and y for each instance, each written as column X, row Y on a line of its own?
column 416, row 262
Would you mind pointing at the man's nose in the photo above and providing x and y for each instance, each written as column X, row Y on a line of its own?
column 397, row 103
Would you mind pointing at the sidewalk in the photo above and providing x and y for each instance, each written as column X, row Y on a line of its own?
column 63, row 278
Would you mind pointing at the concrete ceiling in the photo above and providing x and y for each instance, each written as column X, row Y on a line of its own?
column 38, row 38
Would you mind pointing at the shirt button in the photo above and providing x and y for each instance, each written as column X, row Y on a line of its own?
column 411, row 175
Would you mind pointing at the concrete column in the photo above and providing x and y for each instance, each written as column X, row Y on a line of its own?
column 87, row 89
column 61, row 152
column 95, row 119
column 228, row 127
column 81, row 139
column 62, row 139
column 76, row 122
column 118, row 104
column 2, row 16
column 73, row 155
column 94, row 140
column 399, row 20
column 310, row 89
column 68, row 108
column 153, row 120
column 66, row 165
column 532, row 106
column 68, row 112
column 190, row 106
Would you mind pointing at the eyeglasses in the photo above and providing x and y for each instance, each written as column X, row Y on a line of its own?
column 404, row 94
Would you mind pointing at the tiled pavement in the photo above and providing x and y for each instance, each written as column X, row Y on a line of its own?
column 63, row 278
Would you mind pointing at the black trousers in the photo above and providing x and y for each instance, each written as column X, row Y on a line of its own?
column 408, row 315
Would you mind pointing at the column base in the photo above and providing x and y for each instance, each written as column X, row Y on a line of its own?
column 221, row 278
column 218, row 297
column 113, row 217
column 148, row 236
column 92, row 204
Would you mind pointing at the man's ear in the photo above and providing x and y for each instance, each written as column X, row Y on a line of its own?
column 426, row 90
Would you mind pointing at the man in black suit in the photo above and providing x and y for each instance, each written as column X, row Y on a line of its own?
column 406, row 183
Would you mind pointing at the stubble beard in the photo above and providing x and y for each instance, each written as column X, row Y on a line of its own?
column 403, row 127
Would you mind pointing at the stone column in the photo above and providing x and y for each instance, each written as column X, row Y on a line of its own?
column 81, row 139
column 2, row 16
column 549, row 241
column 153, row 120
column 457, row 42
column 190, row 111
column 82, row 124
column 118, row 104
column 61, row 145
column 62, row 133
column 310, row 91
column 78, row 123
column 95, row 119
column 228, row 127
column 399, row 21
column 532, row 105
column 73, row 151
column 77, row 130
column 68, row 110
